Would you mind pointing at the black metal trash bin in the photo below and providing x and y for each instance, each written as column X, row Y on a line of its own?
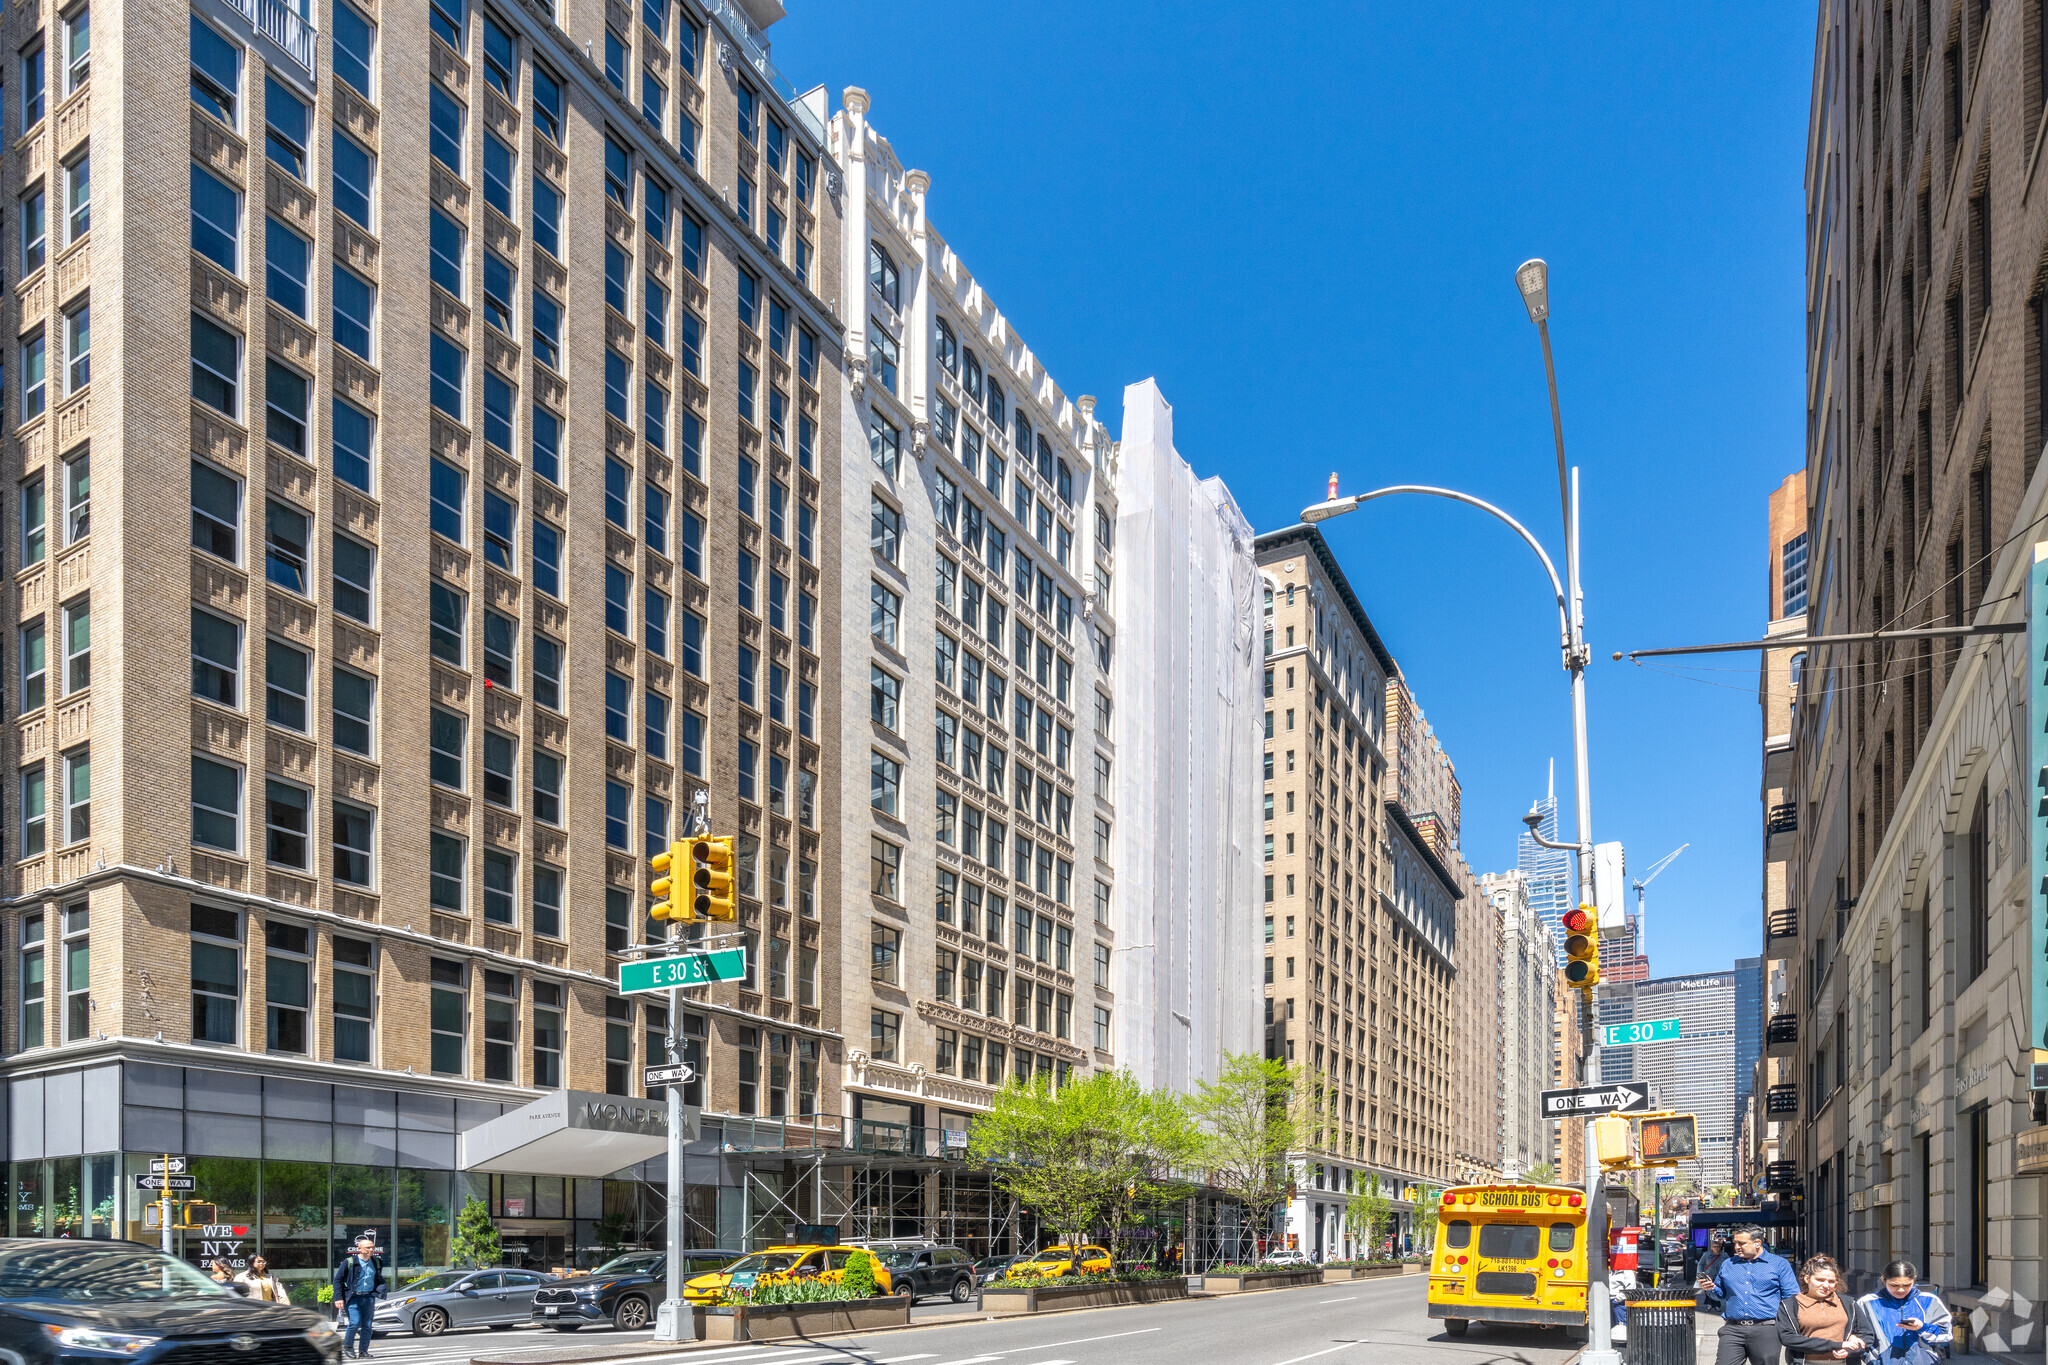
column 1660, row 1329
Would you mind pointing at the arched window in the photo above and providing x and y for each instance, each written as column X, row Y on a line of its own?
column 1044, row 458
column 882, row 276
column 970, row 375
column 995, row 402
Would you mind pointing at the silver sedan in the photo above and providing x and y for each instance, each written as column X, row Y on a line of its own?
column 433, row 1303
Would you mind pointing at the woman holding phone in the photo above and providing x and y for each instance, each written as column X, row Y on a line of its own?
column 1911, row 1324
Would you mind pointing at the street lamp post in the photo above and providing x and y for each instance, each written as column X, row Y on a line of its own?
column 1532, row 279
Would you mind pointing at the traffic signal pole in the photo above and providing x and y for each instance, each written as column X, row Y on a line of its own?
column 675, row 1322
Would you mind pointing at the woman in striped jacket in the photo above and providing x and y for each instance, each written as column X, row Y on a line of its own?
column 1912, row 1324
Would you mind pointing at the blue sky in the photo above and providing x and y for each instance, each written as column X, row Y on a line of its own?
column 1304, row 221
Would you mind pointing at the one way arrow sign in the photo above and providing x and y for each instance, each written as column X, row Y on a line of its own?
column 1627, row 1097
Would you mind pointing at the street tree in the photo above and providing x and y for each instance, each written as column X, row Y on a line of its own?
column 1256, row 1111
column 475, row 1242
column 1542, row 1173
column 1367, row 1213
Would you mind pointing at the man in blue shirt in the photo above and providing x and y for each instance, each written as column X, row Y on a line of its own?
column 1751, row 1284
column 358, row 1282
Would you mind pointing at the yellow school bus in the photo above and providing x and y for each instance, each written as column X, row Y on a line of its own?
column 1510, row 1254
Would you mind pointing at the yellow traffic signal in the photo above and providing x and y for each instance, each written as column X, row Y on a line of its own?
column 711, row 879
column 1582, row 948
column 665, row 905
column 1610, row 1139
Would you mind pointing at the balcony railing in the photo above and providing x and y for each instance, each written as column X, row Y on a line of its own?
column 1782, row 818
column 1782, row 1099
column 1782, row 1030
column 1782, row 1176
column 1783, row 923
column 284, row 26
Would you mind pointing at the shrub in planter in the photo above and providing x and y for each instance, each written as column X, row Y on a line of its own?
column 781, row 1292
column 859, row 1276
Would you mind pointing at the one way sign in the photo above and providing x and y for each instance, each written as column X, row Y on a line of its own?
column 1627, row 1097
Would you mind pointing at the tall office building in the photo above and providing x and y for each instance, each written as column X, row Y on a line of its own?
column 1749, row 1028
column 1547, row 872
column 977, row 538
column 498, row 516
column 1522, row 1024
column 1696, row 1072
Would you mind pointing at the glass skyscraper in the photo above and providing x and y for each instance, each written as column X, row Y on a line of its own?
column 1547, row 871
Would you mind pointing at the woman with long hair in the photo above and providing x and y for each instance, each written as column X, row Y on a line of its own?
column 1909, row 1325
column 1818, row 1323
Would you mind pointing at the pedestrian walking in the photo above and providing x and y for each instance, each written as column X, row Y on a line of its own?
column 1818, row 1323
column 221, row 1271
column 1751, row 1283
column 358, row 1283
column 261, row 1283
column 1909, row 1325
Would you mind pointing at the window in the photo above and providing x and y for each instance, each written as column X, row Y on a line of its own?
column 352, row 827
column 885, row 864
column 355, row 177
column 78, row 199
column 447, row 617
column 885, row 445
column 34, row 517
column 881, row 356
column 886, row 955
column 885, row 691
column 693, row 642
column 355, row 310
column 354, row 987
column 216, row 804
column 286, row 257
column 882, row 276
column 653, row 98
column 655, row 711
column 287, row 537
column 446, row 856
column 656, row 612
column 216, row 974
column 618, row 386
column 547, row 672
column 287, row 685
column 618, row 594
column 33, row 91
column 547, row 439
column 354, row 49
column 693, row 743
column 448, row 19
column 216, row 658
column 446, row 745
column 547, row 218
column 33, row 799
column 885, row 778
column 286, row 395
column 501, row 636
column 618, row 815
column 547, row 901
column 547, row 787
column 448, row 365
column 354, row 711
column 216, row 221
column 216, row 75
column 501, row 59
column 354, row 576
column 749, row 667
column 500, row 878
column 287, row 989
column 287, row 127
column 78, row 348
column 447, row 1011
column 500, row 751
column 77, row 645
column 32, row 365
column 885, row 530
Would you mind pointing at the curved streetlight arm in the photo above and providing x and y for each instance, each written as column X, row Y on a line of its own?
column 1323, row 511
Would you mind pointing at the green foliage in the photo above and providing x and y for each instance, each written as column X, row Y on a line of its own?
column 475, row 1242
column 809, row 1290
column 1135, row 1274
column 611, row 1232
column 1251, row 1116
column 1425, row 1214
column 1725, row 1196
column 1542, row 1173
column 324, row 1294
column 1368, row 1213
column 859, row 1277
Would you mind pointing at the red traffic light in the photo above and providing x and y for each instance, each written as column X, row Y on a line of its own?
column 1577, row 920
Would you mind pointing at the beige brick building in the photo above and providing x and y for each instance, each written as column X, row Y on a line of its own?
column 452, row 495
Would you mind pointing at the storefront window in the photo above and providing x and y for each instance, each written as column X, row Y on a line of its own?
column 425, row 1215
column 229, row 1186
column 295, row 1215
column 362, row 1203
column 103, row 1191
column 67, row 1198
column 29, row 1205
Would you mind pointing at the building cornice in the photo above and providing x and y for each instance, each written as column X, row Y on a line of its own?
column 1309, row 536
column 1443, row 874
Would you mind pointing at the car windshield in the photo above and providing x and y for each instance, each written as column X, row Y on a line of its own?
column 440, row 1279
column 991, row 1262
column 894, row 1258
column 633, row 1262
column 766, row 1262
column 112, row 1275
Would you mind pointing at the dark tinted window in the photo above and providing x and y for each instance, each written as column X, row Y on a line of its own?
column 489, row 1280
column 1457, row 1233
column 1561, row 1236
column 1509, row 1241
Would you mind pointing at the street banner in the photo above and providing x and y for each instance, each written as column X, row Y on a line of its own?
column 2037, row 827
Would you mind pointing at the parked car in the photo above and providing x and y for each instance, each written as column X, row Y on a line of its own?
column 781, row 1263
column 1289, row 1257
column 623, row 1291
column 435, row 1302
column 922, row 1270
column 1062, row 1260
column 992, row 1268
column 63, row 1300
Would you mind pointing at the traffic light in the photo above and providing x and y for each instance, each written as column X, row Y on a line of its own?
column 711, row 879
column 1582, row 947
column 665, row 906
column 1610, row 1139
column 1671, row 1137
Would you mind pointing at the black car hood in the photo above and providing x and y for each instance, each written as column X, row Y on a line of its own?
column 171, row 1317
column 579, row 1281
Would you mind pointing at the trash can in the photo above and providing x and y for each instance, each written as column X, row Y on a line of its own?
column 1660, row 1329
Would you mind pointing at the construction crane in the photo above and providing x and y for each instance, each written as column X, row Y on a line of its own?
column 1644, row 881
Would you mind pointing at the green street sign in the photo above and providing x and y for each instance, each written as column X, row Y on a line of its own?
column 1646, row 1031
column 689, row 969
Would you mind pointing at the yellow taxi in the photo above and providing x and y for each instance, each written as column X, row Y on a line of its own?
column 1061, row 1260
column 777, row 1265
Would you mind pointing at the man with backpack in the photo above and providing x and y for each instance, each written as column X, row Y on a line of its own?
column 358, row 1284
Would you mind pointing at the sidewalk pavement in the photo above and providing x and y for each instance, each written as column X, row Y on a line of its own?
column 599, row 1350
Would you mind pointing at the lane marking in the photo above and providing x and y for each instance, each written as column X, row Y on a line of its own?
column 1047, row 1346
column 1352, row 1299
column 1313, row 1354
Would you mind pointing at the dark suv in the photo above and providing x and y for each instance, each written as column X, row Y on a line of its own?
column 96, row 1300
column 921, row 1269
column 623, row 1291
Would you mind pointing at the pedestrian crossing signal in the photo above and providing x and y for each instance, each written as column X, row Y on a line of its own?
column 1582, row 947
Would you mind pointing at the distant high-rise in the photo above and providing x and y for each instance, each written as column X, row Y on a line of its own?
column 1749, row 1027
column 1546, row 871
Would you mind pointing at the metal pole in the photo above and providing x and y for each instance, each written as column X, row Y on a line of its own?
column 163, row 1204
column 675, row 1322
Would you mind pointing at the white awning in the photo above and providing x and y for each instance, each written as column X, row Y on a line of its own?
column 572, row 1132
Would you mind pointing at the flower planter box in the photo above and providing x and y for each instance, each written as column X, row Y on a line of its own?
column 1415, row 1267
column 1261, row 1279
column 1052, row 1298
column 744, row 1322
column 1338, row 1274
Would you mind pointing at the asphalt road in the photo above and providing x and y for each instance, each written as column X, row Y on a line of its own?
column 1369, row 1322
